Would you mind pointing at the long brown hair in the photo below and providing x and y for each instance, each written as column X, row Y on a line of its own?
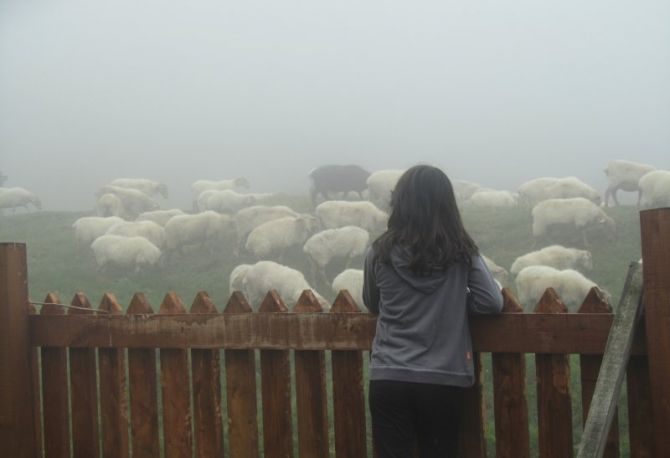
column 425, row 220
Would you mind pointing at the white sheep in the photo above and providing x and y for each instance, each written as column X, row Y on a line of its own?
column 109, row 205
column 134, row 201
column 202, row 229
column 556, row 256
column 18, row 197
column 352, row 281
column 151, row 231
column 570, row 285
column 89, row 228
column 464, row 189
column 250, row 218
column 236, row 278
column 116, row 251
column 491, row 198
column 380, row 185
column 339, row 213
column 535, row 190
column 624, row 176
column 199, row 186
column 655, row 189
column 343, row 242
column 275, row 237
column 149, row 187
column 160, row 217
column 578, row 212
column 226, row 201
column 289, row 283
column 500, row 274
column 569, row 187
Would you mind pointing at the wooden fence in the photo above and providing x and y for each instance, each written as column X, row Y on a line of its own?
column 97, row 382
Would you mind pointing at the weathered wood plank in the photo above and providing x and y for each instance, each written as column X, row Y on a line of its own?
column 208, row 425
column 554, row 408
column 472, row 440
column 55, row 393
column 507, row 333
column 276, row 389
column 640, row 416
column 83, row 382
column 37, row 390
column 114, row 413
column 509, row 396
column 176, row 391
column 602, row 408
column 18, row 433
column 348, row 394
column 312, row 402
column 654, row 228
column 142, row 385
column 241, row 391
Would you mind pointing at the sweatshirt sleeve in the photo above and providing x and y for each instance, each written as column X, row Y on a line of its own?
column 484, row 294
column 370, row 289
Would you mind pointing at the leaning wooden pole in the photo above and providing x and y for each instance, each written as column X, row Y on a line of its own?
column 17, row 423
column 655, row 231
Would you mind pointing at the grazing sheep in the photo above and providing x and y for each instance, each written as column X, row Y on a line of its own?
column 539, row 189
column 116, row 251
column 380, row 184
column 464, row 189
column 89, row 228
column 151, row 231
column 570, row 285
column 578, row 212
column 489, row 198
column 536, row 190
column 266, row 275
column 344, row 242
column 236, row 279
column 624, row 176
column 339, row 213
column 352, row 281
column 160, row 217
column 134, row 201
column 148, row 187
column 226, row 201
column 109, row 205
column 249, row 218
column 337, row 178
column 655, row 189
column 500, row 274
column 556, row 256
column 202, row 229
column 18, row 197
column 200, row 186
column 274, row 237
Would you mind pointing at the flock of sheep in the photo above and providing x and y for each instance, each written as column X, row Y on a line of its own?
column 132, row 233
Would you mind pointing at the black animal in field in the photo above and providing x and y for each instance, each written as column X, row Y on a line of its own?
column 337, row 178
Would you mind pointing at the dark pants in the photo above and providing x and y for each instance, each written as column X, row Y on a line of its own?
column 406, row 415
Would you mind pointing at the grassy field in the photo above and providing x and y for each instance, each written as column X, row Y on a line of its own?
column 55, row 264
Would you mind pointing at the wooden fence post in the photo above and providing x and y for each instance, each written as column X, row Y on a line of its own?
column 17, row 423
column 655, row 231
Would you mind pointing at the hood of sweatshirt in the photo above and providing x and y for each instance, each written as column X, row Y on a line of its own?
column 426, row 283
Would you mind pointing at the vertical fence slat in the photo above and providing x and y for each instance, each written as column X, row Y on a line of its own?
column 348, row 394
column 312, row 402
column 55, row 391
column 589, row 369
column 276, row 388
column 36, row 389
column 143, row 390
column 241, row 391
column 554, row 408
column 113, row 395
column 83, row 382
column 206, row 391
column 509, row 396
column 175, row 389
column 640, row 416
column 654, row 228
column 472, row 439
column 18, row 402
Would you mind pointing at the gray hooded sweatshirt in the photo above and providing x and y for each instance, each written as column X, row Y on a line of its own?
column 422, row 328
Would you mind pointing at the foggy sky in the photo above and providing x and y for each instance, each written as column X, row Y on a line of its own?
column 494, row 92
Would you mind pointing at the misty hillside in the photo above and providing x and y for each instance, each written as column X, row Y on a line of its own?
column 56, row 264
